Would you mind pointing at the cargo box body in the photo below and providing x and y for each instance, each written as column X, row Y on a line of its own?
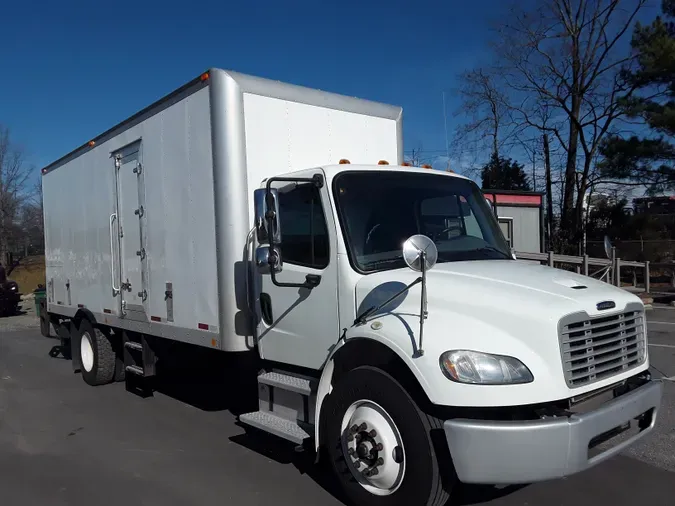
column 146, row 226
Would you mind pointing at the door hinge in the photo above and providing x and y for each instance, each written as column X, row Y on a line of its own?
column 143, row 295
column 126, row 286
column 139, row 212
column 138, row 169
column 118, row 161
column 141, row 253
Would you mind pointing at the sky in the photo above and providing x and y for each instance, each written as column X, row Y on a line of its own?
column 71, row 69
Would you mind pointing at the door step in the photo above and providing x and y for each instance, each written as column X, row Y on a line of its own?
column 132, row 345
column 134, row 369
column 139, row 356
column 286, row 382
column 276, row 425
column 286, row 406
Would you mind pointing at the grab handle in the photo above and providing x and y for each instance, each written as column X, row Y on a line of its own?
column 115, row 289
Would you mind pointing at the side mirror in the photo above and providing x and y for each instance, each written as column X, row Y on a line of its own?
column 420, row 253
column 268, row 260
column 608, row 247
column 264, row 205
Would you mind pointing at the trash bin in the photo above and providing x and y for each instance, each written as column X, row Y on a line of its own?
column 40, row 295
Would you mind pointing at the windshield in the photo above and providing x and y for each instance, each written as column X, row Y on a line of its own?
column 379, row 210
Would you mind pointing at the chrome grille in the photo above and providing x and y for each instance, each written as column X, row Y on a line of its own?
column 596, row 348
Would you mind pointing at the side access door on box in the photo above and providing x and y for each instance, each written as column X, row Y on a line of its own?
column 128, row 234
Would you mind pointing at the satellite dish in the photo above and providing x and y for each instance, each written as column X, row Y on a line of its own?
column 413, row 249
column 608, row 247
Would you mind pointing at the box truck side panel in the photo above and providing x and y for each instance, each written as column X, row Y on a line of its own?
column 285, row 136
column 175, row 227
column 180, row 215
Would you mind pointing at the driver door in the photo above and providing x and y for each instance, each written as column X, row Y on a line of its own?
column 300, row 325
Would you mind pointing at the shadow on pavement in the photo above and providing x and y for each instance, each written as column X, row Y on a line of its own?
column 214, row 381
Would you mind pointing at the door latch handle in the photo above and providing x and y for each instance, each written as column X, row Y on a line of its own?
column 143, row 295
column 141, row 253
column 139, row 212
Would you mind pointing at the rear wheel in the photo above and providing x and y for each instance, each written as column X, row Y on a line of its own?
column 96, row 354
column 45, row 326
column 380, row 444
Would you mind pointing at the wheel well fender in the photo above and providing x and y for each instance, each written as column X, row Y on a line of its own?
column 84, row 314
column 361, row 351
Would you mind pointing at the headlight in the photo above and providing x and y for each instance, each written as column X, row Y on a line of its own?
column 464, row 366
column 12, row 288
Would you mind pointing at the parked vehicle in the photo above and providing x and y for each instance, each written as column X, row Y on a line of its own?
column 10, row 298
column 395, row 329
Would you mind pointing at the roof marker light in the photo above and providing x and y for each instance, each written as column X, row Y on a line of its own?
column 91, row 143
column 383, row 162
column 406, row 164
column 344, row 161
column 426, row 166
column 204, row 77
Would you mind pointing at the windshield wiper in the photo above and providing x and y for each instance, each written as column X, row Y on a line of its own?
column 379, row 263
column 488, row 248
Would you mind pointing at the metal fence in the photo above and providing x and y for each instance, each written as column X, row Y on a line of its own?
column 610, row 270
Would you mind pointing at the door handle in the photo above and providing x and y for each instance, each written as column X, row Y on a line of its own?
column 115, row 289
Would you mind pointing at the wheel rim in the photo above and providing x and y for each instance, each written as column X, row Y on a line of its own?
column 87, row 352
column 373, row 448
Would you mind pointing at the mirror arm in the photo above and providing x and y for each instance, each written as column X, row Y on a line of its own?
column 311, row 281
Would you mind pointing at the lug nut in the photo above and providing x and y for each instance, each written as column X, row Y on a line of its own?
column 357, row 464
column 379, row 462
column 350, row 451
column 350, row 437
column 363, row 427
column 374, row 471
column 354, row 429
column 372, row 433
column 379, row 447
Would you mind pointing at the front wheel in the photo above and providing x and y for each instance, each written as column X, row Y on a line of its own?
column 380, row 444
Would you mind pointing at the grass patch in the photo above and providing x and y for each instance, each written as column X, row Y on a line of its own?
column 29, row 273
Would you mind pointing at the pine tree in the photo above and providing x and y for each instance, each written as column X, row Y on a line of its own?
column 504, row 174
column 648, row 159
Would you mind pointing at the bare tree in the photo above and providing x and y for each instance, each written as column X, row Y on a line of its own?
column 14, row 179
column 563, row 56
column 485, row 109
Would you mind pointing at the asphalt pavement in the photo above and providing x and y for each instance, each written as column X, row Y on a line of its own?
column 65, row 443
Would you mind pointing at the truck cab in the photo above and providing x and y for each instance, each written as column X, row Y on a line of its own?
column 397, row 284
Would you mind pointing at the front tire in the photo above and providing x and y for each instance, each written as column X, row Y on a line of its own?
column 96, row 354
column 379, row 442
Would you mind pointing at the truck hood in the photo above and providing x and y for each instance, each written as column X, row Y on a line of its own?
column 504, row 307
column 497, row 285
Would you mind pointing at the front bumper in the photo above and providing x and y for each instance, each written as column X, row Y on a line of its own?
column 512, row 452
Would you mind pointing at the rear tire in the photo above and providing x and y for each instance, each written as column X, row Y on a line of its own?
column 45, row 324
column 96, row 354
column 408, row 472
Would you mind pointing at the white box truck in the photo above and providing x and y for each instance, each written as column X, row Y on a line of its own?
column 396, row 331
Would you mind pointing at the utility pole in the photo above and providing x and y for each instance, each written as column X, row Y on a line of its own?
column 445, row 122
column 549, row 191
